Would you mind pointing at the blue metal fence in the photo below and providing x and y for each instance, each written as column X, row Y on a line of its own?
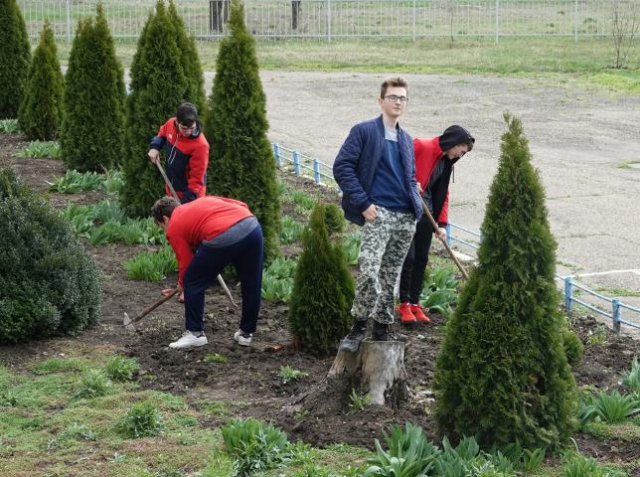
column 305, row 166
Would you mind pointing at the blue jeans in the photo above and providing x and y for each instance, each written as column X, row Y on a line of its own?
column 208, row 262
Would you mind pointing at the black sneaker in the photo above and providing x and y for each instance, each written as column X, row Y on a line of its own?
column 380, row 332
column 352, row 341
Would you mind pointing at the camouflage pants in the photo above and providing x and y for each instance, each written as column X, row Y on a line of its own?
column 385, row 243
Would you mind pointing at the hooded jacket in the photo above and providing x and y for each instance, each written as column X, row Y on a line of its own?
column 187, row 159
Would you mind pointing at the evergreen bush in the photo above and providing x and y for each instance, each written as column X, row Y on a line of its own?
column 48, row 284
column 15, row 56
column 241, row 163
column 503, row 374
column 323, row 290
column 40, row 112
column 92, row 134
column 157, row 87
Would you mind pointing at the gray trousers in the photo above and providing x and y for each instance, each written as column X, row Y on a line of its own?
column 384, row 246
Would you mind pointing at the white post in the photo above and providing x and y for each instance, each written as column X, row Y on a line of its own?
column 329, row 21
column 497, row 20
column 413, row 36
column 575, row 21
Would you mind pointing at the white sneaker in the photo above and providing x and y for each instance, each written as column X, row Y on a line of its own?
column 243, row 339
column 189, row 340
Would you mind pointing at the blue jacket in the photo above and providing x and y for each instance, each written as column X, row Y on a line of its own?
column 357, row 162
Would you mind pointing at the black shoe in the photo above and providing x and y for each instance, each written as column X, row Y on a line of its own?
column 380, row 332
column 352, row 341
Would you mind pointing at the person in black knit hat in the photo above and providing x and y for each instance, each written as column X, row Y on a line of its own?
column 434, row 166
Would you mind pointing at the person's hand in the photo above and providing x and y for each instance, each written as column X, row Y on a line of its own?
column 154, row 155
column 442, row 233
column 169, row 291
column 419, row 188
column 370, row 213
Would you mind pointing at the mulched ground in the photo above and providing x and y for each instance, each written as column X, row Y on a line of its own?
column 248, row 382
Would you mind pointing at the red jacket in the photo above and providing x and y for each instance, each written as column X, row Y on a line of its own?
column 203, row 219
column 187, row 160
column 428, row 153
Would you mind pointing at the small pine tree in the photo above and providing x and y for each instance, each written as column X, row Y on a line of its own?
column 48, row 283
column 40, row 112
column 323, row 290
column 190, row 61
column 241, row 163
column 158, row 84
column 502, row 374
column 93, row 128
column 15, row 57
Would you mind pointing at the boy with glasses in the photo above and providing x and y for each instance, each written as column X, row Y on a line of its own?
column 376, row 172
column 435, row 158
column 187, row 152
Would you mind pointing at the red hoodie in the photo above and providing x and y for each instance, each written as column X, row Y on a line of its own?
column 428, row 153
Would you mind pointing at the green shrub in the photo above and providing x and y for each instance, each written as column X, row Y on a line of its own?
column 40, row 112
column 49, row 285
column 152, row 266
column 323, row 290
column 94, row 99
column 15, row 56
column 39, row 149
column 573, row 347
column 515, row 383
column 142, row 420
column 158, row 84
column 94, row 384
column 351, row 248
column 121, row 369
column 241, row 162
column 9, row 126
column 254, row 445
column 334, row 218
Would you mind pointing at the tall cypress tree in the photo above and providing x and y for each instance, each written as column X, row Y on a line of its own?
column 190, row 61
column 157, row 85
column 40, row 112
column 241, row 162
column 502, row 374
column 92, row 135
column 15, row 57
column 323, row 289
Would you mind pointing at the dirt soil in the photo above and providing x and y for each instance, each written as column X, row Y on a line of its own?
column 249, row 383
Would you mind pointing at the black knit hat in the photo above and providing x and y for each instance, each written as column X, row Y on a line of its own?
column 454, row 135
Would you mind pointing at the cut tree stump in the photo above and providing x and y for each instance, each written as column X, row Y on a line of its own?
column 379, row 367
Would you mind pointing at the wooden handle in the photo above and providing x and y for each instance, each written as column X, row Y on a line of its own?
column 427, row 212
column 155, row 305
column 166, row 181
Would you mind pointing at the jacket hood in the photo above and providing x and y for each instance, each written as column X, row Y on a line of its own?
column 454, row 135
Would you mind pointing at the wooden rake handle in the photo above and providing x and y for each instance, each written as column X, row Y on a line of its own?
column 155, row 305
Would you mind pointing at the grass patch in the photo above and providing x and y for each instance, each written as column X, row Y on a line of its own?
column 40, row 149
column 9, row 126
column 74, row 182
column 152, row 266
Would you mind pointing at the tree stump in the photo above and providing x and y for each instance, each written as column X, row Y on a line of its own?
column 379, row 368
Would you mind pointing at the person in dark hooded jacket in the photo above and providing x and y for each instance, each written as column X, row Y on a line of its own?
column 434, row 165
column 187, row 153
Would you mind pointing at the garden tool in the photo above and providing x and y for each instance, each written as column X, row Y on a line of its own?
column 427, row 212
column 175, row 196
column 128, row 323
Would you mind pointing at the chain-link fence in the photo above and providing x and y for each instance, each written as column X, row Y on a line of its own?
column 329, row 20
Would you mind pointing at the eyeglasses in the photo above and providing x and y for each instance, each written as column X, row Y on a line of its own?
column 394, row 99
column 186, row 128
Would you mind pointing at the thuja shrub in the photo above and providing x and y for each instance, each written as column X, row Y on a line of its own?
column 92, row 131
column 158, row 84
column 323, row 290
column 241, row 162
column 48, row 283
column 40, row 112
column 514, row 383
column 15, row 57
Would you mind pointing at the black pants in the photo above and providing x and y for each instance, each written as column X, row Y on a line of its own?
column 416, row 262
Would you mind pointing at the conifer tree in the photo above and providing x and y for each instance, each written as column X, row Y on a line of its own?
column 15, row 57
column 157, row 86
column 319, row 313
column 190, row 61
column 502, row 374
column 241, row 163
column 92, row 135
column 40, row 112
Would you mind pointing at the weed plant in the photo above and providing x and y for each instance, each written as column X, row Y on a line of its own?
column 57, row 365
column 304, row 203
column 358, row 402
column 78, row 432
column 215, row 358
column 9, row 126
column 255, row 446
column 121, row 369
column 94, row 384
column 631, row 377
column 152, row 266
column 289, row 374
column 142, row 420
column 40, row 149
column 291, row 230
